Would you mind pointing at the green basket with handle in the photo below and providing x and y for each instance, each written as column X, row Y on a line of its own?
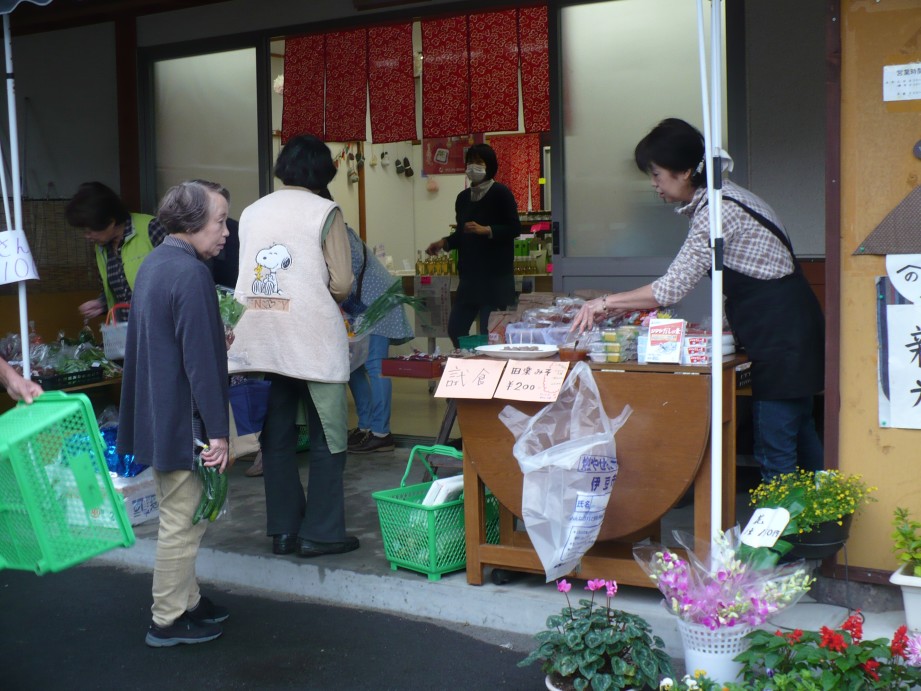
column 58, row 506
column 428, row 539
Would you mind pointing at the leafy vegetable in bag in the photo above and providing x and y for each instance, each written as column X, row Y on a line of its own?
column 231, row 308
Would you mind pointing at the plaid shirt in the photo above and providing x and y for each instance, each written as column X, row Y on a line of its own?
column 115, row 270
column 749, row 248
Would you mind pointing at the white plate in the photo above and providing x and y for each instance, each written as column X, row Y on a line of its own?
column 510, row 351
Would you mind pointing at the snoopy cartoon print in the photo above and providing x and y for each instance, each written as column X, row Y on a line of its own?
column 269, row 262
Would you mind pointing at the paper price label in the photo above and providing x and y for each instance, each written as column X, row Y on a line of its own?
column 529, row 380
column 765, row 527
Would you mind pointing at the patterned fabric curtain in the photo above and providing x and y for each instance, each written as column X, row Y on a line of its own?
column 535, row 68
column 391, row 85
column 445, row 78
column 494, row 71
column 519, row 167
column 346, row 85
column 302, row 103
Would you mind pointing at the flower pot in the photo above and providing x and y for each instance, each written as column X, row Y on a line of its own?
column 823, row 541
column 713, row 650
column 911, row 595
column 551, row 686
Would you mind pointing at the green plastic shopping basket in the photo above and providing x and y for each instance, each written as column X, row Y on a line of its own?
column 428, row 539
column 57, row 503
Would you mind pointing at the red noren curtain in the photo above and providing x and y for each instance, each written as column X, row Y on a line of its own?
column 535, row 68
column 391, row 85
column 494, row 71
column 445, row 78
column 302, row 105
column 346, row 85
column 519, row 167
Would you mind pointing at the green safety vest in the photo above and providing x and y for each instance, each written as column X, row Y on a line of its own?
column 133, row 251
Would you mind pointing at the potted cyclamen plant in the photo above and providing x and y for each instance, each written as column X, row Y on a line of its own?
column 906, row 543
column 595, row 646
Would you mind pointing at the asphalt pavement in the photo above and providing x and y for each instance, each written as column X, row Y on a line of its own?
column 84, row 629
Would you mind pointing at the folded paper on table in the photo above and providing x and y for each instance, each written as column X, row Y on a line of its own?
column 568, row 457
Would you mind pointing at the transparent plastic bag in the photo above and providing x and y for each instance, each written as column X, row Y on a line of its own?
column 569, row 460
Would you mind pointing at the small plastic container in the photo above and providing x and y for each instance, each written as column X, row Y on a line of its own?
column 571, row 354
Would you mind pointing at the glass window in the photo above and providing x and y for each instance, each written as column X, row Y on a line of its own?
column 206, row 123
column 626, row 65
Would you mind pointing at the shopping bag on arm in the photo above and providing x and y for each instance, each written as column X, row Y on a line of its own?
column 569, row 460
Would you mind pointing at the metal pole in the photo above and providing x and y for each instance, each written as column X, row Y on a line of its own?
column 712, row 131
column 17, row 192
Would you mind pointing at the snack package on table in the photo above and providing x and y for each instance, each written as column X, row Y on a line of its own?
column 569, row 460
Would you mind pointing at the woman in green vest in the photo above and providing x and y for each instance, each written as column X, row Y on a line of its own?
column 122, row 242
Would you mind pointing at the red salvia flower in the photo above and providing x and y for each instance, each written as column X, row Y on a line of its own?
column 870, row 668
column 832, row 640
column 899, row 641
column 854, row 626
column 794, row 636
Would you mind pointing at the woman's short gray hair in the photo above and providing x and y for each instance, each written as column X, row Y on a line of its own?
column 186, row 207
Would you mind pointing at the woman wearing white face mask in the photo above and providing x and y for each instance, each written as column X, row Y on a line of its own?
column 487, row 225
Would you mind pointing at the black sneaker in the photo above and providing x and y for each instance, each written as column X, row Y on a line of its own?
column 356, row 437
column 373, row 443
column 183, row 630
column 207, row 612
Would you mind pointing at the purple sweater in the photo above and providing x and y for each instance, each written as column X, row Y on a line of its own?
column 175, row 354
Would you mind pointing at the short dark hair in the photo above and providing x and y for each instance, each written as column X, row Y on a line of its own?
column 485, row 153
column 186, row 207
column 305, row 161
column 95, row 206
column 675, row 145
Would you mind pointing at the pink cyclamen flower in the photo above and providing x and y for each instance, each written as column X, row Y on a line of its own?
column 913, row 651
column 563, row 586
column 595, row 584
column 612, row 588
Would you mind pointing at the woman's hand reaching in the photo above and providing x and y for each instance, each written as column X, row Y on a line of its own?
column 587, row 315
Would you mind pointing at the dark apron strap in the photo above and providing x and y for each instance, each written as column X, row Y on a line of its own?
column 767, row 223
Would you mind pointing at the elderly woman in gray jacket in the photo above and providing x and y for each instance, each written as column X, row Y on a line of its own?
column 174, row 392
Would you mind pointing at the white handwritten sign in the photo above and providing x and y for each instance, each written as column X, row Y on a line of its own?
column 530, row 380
column 903, row 324
column 16, row 262
column 765, row 527
column 904, row 271
column 469, row 378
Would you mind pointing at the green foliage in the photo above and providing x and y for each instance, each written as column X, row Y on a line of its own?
column 906, row 540
column 600, row 648
column 826, row 660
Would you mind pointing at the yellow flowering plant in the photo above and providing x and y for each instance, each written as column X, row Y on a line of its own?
column 818, row 497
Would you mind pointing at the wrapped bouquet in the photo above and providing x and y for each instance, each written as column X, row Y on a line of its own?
column 724, row 584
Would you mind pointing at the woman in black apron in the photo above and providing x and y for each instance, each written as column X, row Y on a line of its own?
column 771, row 308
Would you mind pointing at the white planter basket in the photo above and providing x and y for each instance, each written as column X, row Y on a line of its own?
column 911, row 596
column 713, row 651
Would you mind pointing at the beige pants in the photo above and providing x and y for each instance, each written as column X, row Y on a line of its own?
column 175, row 588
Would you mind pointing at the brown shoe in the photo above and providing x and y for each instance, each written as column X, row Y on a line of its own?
column 255, row 470
column 374, row 443
column 357, row 437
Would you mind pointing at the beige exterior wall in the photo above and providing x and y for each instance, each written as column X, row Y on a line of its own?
column 878, row 171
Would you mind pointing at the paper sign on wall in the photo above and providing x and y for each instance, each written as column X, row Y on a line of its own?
column 16, row 261
column 765, row 527
column 469, row 378
column 527, row 380
column 904, row 271
column 903, row 326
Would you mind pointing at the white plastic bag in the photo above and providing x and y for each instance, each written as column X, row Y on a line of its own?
column 569, row 460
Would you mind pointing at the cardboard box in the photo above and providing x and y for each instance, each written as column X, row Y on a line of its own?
column 422, row 369
column 140, row 496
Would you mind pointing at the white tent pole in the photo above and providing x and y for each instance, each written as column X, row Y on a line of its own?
column 17, row 199
column 712, row 116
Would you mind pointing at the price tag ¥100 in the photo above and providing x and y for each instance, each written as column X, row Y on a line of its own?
column 765, row 527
